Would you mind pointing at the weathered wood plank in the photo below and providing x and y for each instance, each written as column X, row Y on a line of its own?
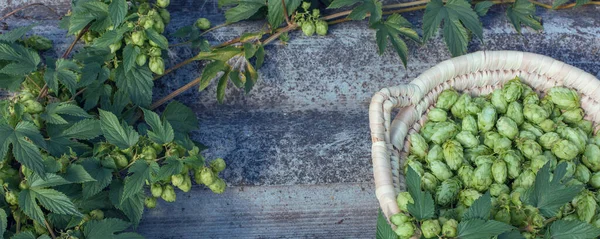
column 294, row 211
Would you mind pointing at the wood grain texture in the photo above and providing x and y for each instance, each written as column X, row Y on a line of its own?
column 295, row 211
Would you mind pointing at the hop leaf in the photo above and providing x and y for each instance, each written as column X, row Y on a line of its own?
column 123, row 136
column 25, row 139
column 394, row 27
column 423, row 208
column 522, row 12
column 371, row 7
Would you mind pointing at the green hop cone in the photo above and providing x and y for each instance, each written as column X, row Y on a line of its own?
column 484, row 159
column 499, row 171
column 548, row 140
column 515, row 112
column 538, row 162
column 429, row 182
column 162, row 3
column 138, row 38
column 473, row 108
column 447, row 192
column 203, row 24
column 535, row 113
column 467, row 139
column 518, row 217
column 11, row 198
column 586, row 206
column 154, row 51
column 147, row 23
column 468, row 196
column 436, row 153
column 573, row 115
column 584, row 125
column 527, row 135
column 453, row 154
column 150, row 202
column 218, row 165
column 472, row 154
column 207, row 176
column 168, row 194
column 553, row 160
column 582, row 173
column 490, row 138
column 482, row 178
column 486, row 119
column 449, row 228
column 564, row 98
column 576, row 136
column 497, row 189
column 165, row 15
column 595, row 180
column 499, row 102
column 157, row 65
column 149, row 153
column 591, row 157
column 571, row 168
column 444, row 131
column 39, row 43
column 403, row 199
column 316, row 13
column 156, row 190
column 96, row 214
column 459, row 109
column 308, row 28
column 507, row 127
column 437, row 115
column 120, row 160
column 143, row 8
column 447, row 99
column 531, row 98
column 547, row 125
column 413, row 162
column 502, row 145
column 565, row 149
column 418, row 145
column 321, row 27
column 537, row 131
column 177, row 179
column 399, row 219
column 529, row 148
column 186, row 186
column 218, row 186
column 503, row 215
column 469, row 124
column 429, row 128
column 159, row 25
column 405, row 230
column 465, row 174
column 140, row 60
column 440, row 170
column 525, row 179
column 512, row 90
column 305, row 6
column 431, row 228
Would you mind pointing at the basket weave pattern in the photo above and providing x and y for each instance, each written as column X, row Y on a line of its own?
column 478, row 73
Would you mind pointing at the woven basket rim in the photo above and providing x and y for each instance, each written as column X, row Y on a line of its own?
column 478, row 73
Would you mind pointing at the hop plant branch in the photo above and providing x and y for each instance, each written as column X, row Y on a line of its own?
column 28, row 6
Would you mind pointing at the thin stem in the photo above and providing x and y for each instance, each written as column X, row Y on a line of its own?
column 175, row 67
column 26, row 6
column 277, row 34
column 175, row 93
column 78, row 93
column 406, row 4
column 285, row 13
column 50, row 229
column 33, row 82
column 201, row 34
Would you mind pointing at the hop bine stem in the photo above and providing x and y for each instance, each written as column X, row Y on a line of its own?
column 27, row 6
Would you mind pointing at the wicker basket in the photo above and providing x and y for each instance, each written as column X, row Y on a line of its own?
column 477, row 73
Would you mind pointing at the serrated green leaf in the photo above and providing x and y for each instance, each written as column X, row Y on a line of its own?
column 105, row 228
column 478, row 228
column 574, row 229
column 55, row 201
column 549, row 195
column 195, row 161
column 249, row 50
column 558, row 3
column 481, row 8
column 260, row 56
column 24, row 138
column 514, row 234
column 128, row 235
column 123, row 136
column 181, row 117
column 523, row 12
column 61, row 145
column 210, row 72
column 3, row 221
column 132, row 207
column 424, row 207
column 117, row 10
column 275, row 10
column 222, row 86
column 480, row 209
column 53, row 111
column 581, row 2
column 139, row 172
column 103, row 177
column 51, row 180
column 84, row 129
column 394, row 26
column 63, row 71
column 244, row 10
column 457, row 16
column 110, row 37
column 21, row 60
column 77, row 174
column 15, row 34
column 172, row 166
column 130, row 54
column 384, row 230
column 29, row 206
column 162, row 131
column 160, row 40
column 373, row 8
column 138, row 83
column 10, row 82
